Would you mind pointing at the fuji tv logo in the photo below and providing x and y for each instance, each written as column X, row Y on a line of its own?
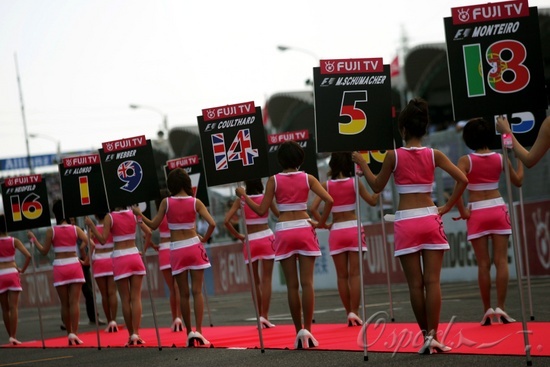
column 211, row 114
column 463, row 15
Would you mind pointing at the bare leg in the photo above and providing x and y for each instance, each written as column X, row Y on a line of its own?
column 483, row 258
column 433, row 262
column 500, row 255
column 63, row 293
column 342, row 275
column 267, row 273
column 197, row 279
column 113, row 300
column 307, row 267
column 354, row 282
column 173, row 291
column 74, row 304
column 103, row 289
column 183, row 286
column 135, row 300
column 290, row 270
column 413, row 272
column 13, row 298
column 4, row 301
column 123, row 286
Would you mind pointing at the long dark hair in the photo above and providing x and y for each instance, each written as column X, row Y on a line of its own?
column 178, row 180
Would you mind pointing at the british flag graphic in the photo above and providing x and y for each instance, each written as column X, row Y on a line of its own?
column 246, row 154
column 218, row 146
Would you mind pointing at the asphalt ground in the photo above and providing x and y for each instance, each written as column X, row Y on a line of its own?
column 460, row 301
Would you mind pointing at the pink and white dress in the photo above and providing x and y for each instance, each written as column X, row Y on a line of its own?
column 295, row 237
column 189, row 254
column 421, row 228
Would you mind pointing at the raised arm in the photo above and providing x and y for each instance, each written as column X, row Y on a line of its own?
column 101, row 237
column 539, row 148
column 516, row 175
column 376, row 182
column 227, row 220
column 43, row 249
column 19, row 246
column 266, row 201
column 366, row 195
column 155, row 222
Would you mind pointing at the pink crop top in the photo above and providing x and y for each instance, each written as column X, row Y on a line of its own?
column 250, row 216
column 181, row 212
column 109, row 241
column 343, row 194
column 291, row 191
column 485, row 170
column 7, row 249
column 164, row 231
column 123, row 225
column 414, row 170
column 64, row 238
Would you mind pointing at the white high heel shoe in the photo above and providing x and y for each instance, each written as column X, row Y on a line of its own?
column 265, row 323
column 196, row 338
column 112, row 327
column 14, row 341
column 502, row 316
column 488, row 317
column 177, row 325
column 305, row 340
column 431, row 345
column 191, row 339
column 73, row 339
column 354, row 320
column 135, row 340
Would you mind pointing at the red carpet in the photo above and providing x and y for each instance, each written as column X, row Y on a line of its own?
column 464, row 338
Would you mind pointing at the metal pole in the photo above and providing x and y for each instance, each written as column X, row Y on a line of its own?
column 526, row 252
column 37, row 296
column 29, row 160
column 206, row 301
column 93, row 290
column 360, row 244
column 385, row 244
column 515, row 244
column 149, row 287
column 252, row 281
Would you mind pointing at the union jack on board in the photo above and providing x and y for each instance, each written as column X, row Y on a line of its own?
column 218, row 147
column 246, row 154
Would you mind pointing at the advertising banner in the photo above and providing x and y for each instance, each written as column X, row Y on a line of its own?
column 233, row 143
column 82, row 186
column 353, row 108
column 129, row 172
column 495, row 59
column 25, row 203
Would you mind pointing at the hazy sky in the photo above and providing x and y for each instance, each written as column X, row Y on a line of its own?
column 82, row 62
